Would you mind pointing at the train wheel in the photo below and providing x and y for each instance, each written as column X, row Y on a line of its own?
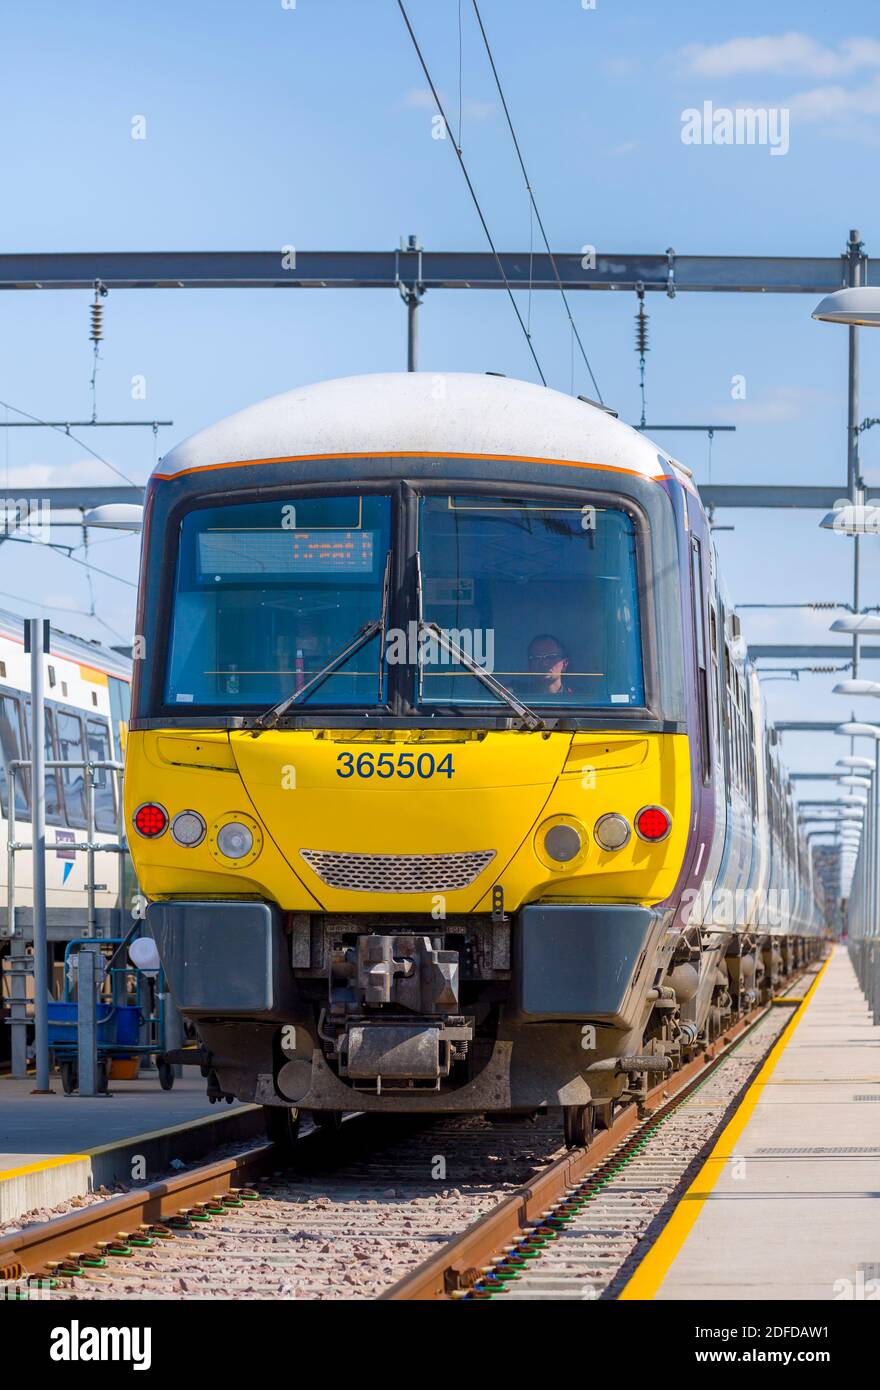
column 578, row 1121
column 282, row 1127
column 603, row 1114
column 68, row 1077
column 328, row 1119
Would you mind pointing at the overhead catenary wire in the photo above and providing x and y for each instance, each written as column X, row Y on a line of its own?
column 65, row 552
column 534, row 205
column 79, row 442
column 59, row 608
column 472, row 191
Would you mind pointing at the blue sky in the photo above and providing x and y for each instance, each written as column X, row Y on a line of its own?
column 311, row 126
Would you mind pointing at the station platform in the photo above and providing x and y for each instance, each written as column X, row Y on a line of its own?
column 56, row 1147
column 787, row 1204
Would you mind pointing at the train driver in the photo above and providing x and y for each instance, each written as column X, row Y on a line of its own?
column 548, row 662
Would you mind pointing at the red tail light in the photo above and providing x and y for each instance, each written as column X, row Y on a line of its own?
column 150, row 820
column 653, row 823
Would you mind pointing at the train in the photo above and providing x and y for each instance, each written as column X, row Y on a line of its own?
column 87, row 696
column 449, row 780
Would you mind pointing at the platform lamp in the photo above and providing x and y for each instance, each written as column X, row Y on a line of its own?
column 857, row 307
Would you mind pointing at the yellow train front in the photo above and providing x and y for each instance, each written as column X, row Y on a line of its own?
column 412, row 780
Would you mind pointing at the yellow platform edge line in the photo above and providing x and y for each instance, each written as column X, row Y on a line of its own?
column 6, row 1174
column 655, row 1266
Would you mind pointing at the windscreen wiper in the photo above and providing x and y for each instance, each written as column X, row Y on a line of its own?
column 271, row 717
column 528, row 716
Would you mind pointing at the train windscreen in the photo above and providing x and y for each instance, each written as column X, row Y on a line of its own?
column 543, row 596
column 268, row 593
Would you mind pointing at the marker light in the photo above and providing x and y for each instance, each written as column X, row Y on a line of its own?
column 612, row 831
column 234, row 840
column 188, row 829
column 653, row 823
column 150, row 820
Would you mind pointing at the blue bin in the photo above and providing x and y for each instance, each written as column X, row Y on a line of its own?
column 117, row 1024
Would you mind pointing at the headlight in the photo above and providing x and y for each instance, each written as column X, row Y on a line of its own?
column 188, row 829
column 235, row 840
column 612, row 831
column 561, row 842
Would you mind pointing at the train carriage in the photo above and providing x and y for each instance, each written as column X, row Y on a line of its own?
column 443, row 766
column 87, row 703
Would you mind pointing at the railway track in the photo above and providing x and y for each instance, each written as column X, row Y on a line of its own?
column 400, row 1209
column 583, row 1228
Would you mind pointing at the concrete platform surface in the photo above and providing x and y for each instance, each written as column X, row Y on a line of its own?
column 791, row 1209
column 56, row 1147
column 33, row 1127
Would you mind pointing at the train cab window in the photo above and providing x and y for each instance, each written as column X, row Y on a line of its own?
column 12, row 746
column 543, row 595
column 269, row 594
column 98, row 740
column 70, row 749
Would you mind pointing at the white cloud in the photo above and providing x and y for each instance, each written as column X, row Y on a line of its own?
column 626, row 148
column 835, row 102
column 782, row 54
column 421, row 99
column 84, row 473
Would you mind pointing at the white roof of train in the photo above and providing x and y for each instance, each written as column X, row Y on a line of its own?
column 67, row 644
column 421, row 413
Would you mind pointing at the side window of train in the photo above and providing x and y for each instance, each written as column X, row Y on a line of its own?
column 729, row 737
column 716, row 686
column 12, row 746
column 68, row 728
column 98, row 740
column 54, row 811
column 702, row 661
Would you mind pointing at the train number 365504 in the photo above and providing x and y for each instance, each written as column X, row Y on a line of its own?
column 386, row 765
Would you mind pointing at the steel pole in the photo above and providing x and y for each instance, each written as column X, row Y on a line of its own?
column 88, row 980
column 854, row 277
column 875, row 856
column 37, row 635
column 412, row 332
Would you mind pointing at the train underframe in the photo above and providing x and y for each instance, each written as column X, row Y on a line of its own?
column 570, row 1005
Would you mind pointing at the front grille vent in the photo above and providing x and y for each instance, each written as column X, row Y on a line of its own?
column 397, row 873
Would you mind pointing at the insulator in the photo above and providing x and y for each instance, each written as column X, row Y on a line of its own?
column 641, row 331
column 824, row 603
column 96, row 314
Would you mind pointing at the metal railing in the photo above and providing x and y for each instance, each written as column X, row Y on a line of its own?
column 90, row 846
column 863, row 905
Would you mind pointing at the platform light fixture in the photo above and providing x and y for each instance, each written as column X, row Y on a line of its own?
column 853, row 519
column 858, row 306
column 857, row 687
